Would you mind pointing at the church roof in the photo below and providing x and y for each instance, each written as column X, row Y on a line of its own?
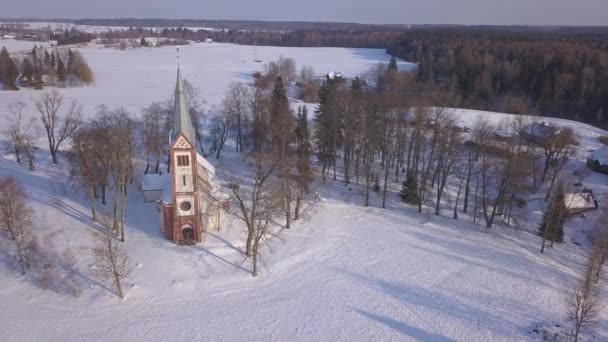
column 182, row 123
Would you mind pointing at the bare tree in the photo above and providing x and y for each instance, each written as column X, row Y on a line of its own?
column 111, row 263
column 20, row 133
column 87, row 149
column 16, row 219
column 256, row 207
column 600, row 246
column 58, row 127
column 284, row 67
column 221, row 122
column 155, row 133
column 583, row 302
column 118, row 130
column 236, row 103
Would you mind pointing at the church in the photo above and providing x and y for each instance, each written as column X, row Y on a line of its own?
column 188, row 198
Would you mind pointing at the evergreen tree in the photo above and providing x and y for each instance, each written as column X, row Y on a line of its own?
column 71, row 67
column 8, row 70
column 37, row 82
column 392, row 65
column 328, row 123
column 143, row 42
column 47, row 57
column 61, row 72
column 52, row 61
column 552, row 223
column 27, row 71
column 409, row 190
column 304, row 150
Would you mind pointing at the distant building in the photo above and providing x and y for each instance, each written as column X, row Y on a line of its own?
column 333, row 75
column 578, row 203
column 9, row 36
column 598, row 160
column 538, row 132
column 208, row 40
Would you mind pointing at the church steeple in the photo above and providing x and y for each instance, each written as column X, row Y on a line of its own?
column 182, row 123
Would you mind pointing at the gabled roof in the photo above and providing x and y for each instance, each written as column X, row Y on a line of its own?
column 182, row 123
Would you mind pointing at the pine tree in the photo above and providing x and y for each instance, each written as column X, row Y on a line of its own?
column 143, row 42
column 8, row 70
column 552, row 223
column 27, row 72
column 409, row 190
column 61, row 72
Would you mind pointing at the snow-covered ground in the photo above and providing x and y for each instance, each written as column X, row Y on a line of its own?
column 14, row 45
column 342, row 273
column 95, row 29
column 133, row 79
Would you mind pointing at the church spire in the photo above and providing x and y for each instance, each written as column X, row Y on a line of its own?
column 182, row 122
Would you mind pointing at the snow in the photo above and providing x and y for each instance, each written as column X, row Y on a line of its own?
column 14, row 46
column 133, row 79
column 343, row 272
column 202, row 161
column 601, row 155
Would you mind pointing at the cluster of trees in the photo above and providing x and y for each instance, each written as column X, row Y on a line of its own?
column 101, row 155
column 583, row 301
column 553, row 74
column 40, row 261
column 41, row 67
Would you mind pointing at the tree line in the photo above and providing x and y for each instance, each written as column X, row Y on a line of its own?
column 556, row 74
column 40, row 68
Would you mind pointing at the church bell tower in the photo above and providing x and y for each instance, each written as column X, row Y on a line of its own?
column 187, row 224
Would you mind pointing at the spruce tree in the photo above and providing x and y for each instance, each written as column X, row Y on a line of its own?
column 61, row 72
column 71, row 65
column 409, row 190
column 52, row 61
column 27, row 72
column 552, row 223
column 47, row 57
column 8, row 70
column 304, row 150
column 392, row 65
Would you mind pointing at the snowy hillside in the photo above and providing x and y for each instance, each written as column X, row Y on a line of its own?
column 342, row 273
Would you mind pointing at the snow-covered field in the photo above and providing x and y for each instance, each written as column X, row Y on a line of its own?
column 342, row 273
column 13, row 45
column 134, row 79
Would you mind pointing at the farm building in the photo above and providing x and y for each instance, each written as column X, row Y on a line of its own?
column 538, row 132
column 598, row 160
column 580, row 202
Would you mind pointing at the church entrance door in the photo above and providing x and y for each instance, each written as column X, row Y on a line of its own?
column 188, row 234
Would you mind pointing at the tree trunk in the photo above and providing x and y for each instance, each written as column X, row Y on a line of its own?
column 297, row 209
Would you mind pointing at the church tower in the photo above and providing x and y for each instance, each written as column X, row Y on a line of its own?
column 186, row 222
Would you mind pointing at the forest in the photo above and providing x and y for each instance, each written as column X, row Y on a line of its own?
column 557, row 73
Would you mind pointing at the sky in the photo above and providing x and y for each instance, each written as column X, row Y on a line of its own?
column 492, row 12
